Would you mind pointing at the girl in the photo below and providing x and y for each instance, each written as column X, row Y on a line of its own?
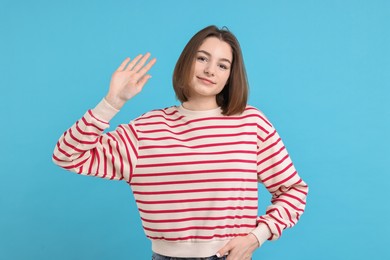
column 194, row 169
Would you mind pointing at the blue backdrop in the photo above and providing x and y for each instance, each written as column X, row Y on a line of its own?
column 320, row 70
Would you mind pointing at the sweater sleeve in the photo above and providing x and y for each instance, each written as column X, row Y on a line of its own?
column 86, row 149
column 278, row 174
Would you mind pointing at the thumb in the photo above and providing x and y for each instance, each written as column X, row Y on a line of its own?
column 224, row 250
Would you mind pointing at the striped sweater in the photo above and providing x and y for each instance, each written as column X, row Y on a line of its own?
column 194, row 174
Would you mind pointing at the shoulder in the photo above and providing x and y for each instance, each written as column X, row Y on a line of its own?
column 264, row 126
column 158, row 115
column 257, row 114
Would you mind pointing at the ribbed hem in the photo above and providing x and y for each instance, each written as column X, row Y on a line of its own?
column 104, row 111
column 262, row 233
column 187, row 249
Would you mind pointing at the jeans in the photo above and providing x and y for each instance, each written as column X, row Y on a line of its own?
column 156, row 256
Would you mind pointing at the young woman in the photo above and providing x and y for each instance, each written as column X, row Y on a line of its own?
column 194, row 169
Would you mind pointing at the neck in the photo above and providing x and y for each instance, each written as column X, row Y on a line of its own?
column 200, row 104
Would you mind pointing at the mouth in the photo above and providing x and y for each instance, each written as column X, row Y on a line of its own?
column 206, row 81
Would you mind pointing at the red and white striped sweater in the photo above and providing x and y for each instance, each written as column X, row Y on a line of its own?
column 194, row 174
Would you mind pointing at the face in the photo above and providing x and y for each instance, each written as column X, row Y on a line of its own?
column 212, row 66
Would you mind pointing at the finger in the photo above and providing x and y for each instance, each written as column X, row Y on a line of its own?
column 224, row 250
column 143, row 80
column 133, row 62
column 147, row 67
column 123, row 65
column 141, row 63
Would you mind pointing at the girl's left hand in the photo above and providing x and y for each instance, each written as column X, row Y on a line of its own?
column 240, row 248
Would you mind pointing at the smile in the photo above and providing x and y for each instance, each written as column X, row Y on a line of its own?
column 206, row 81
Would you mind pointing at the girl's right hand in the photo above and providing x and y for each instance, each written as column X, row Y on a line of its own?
column 128, row 81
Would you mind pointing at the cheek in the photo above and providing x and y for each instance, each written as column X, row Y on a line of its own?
column 226, row 77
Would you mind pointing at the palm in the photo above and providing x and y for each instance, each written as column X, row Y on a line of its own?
column 125, row 83
column 129, row 79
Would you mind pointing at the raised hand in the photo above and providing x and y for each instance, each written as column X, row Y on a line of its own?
column 129, row 79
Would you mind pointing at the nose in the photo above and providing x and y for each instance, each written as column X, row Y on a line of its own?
column 209, row 70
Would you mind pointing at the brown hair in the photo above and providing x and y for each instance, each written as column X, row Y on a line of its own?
column 233, row 98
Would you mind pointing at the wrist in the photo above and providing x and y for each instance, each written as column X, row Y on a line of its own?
column 116, row 103
column 262, row 233
column 254, row 242
column 104, row 111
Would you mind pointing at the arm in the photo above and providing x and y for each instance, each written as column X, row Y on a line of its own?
column 276, row 171
column 278, row 174
column 85, row 149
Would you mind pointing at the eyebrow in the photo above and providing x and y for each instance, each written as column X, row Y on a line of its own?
column 208, row 54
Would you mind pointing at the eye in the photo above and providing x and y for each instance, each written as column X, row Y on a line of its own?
column 201, row 58
column 223, row 66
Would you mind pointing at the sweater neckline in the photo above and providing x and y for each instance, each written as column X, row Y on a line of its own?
column 199, row 113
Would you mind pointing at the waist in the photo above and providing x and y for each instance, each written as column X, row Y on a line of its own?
column 188, row 248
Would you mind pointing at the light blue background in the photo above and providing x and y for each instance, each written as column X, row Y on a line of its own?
column 318, row 69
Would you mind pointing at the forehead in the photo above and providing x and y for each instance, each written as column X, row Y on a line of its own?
column 217, row 48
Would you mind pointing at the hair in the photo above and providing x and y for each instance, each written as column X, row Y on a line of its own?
column 233, row 98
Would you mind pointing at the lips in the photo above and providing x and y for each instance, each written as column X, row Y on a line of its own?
column 206, row 81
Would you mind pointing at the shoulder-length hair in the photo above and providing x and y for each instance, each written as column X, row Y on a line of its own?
column 233, row 98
